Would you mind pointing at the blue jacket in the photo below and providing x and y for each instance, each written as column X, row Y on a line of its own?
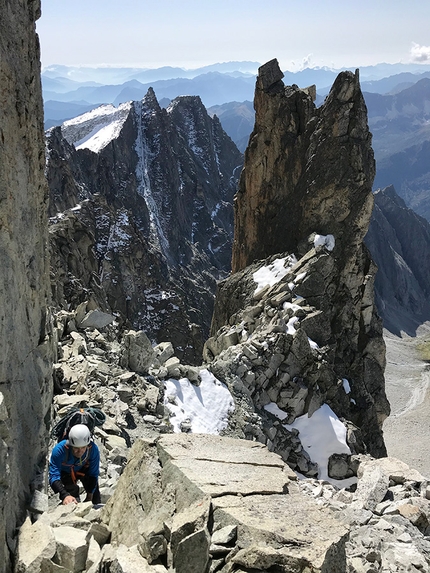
column 63, row 460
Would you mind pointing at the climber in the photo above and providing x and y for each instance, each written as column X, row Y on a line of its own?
column 77, row 457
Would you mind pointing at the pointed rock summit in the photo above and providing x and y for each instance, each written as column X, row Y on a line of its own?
column 307, row 169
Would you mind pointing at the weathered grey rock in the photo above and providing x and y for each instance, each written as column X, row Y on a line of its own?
column 213, row 468
column 397, row 471
column 36, row 543
column 126, row 393
column 269, row 75
column 137, row 493
column 138, row 354
column 192, row 553
column 371, row 489
column 225, row 535
column 257, row 518
column 286, row 541
column 189, row 538
column 122, row 559
column 39, row 502
column 93, row 554
column 164, row 351
column 114, row 442
column 99, row 532
column 72, row 548
column 391, row 544
column 51, row 567
column 96, row 319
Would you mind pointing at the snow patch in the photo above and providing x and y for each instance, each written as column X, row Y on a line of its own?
column 205, row 408
column 321, row 435
column 273, row 273
column 346, row 386
column 327, row 241
column 95, row 129
column 290, row 325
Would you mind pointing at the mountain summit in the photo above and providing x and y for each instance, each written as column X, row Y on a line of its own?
column 153, row 189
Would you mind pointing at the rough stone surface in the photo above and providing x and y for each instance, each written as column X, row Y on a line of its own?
column 24, row 280
column 256, row 515
column 36, row 543
column 233, row 505
column 72, row 548
column 306, row 170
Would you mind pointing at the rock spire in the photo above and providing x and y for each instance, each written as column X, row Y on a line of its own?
column 306, row 169
column 306, row 192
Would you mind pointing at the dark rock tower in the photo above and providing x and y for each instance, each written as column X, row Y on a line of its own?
column 309, row 171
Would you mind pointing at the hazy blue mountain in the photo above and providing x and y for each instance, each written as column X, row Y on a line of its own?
column 119, row 75
column 393, row 83
column 62, row 85
column 399, row 121
column 409, row 172
column 237, row 119
column 212, row 87
column 57, row 111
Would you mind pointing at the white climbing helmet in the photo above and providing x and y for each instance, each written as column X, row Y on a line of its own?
column 79, row 436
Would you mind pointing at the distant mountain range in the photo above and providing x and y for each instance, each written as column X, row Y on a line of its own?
column 397, row 97
column 216, row 84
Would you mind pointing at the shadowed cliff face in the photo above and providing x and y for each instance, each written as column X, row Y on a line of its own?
column 25, row 377
column 399, row 241
column 308, row 176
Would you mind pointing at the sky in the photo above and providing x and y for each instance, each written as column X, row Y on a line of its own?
column 193, row 33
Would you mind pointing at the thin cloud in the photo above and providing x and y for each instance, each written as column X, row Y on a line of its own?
column 307, row 62
column 420, row 53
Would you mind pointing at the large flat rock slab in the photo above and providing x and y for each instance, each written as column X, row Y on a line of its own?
column 197, row 486
column 204, row 464
column 218, row 448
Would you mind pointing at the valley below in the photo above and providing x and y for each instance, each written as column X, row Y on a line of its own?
column 407, row 377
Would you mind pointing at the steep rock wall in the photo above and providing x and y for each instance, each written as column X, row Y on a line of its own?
column 25, row 388
column 399, row 241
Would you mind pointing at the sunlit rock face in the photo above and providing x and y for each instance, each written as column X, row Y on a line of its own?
column 146, row 195
column 308, row 174
column 25, row 383
column 306, row 169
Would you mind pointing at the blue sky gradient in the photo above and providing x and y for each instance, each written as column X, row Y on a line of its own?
column 192, row 33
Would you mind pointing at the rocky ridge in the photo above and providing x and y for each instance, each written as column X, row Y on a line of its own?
column 141, row 215
column 194, row 502
column 306, row 190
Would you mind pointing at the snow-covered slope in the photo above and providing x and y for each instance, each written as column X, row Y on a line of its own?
column 95, row 129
